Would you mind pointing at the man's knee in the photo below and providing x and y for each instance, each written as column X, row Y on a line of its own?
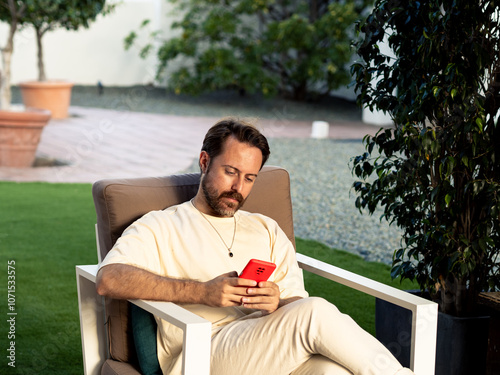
column 316, row 306
column 320, row 303
column 311, row 313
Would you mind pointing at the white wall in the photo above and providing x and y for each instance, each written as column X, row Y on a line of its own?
column 95, row 54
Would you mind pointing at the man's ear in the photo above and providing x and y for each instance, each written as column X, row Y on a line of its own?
column 204, row 162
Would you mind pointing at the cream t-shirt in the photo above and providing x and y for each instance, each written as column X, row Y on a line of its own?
column 179, row 242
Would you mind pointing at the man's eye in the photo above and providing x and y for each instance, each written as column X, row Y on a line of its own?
column 230, row 172
column 250, row 179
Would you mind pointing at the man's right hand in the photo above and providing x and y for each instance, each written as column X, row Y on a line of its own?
column 227, row 290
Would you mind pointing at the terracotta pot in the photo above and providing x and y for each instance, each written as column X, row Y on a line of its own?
column 52, row 95
column 20, row 133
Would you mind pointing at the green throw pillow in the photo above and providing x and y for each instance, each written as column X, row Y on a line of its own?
column 144, row 334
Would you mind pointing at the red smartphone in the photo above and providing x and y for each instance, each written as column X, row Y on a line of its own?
column 258, row 270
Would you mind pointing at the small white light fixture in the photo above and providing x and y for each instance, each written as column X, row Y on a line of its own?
column 320, row 129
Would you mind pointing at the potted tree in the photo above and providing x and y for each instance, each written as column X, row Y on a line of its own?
column 45, row 16
column 20, row 130
column 436, row 172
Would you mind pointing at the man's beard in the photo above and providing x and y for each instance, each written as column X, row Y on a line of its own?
column 214, row 200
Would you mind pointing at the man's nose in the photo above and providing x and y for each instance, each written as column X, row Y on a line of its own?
column 237, row 184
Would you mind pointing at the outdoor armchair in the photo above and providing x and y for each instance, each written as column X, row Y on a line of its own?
column 106, row 329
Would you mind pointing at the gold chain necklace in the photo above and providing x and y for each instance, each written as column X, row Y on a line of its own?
column 222, row 239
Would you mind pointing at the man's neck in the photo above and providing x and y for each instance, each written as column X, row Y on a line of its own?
column 201, row 205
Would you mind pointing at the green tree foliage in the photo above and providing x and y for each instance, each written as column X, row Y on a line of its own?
column 436, row 173
column 289, row 47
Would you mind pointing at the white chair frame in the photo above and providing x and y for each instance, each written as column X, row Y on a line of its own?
column 197, row 331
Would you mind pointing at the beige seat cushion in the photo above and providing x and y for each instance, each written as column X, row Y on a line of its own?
column 112, row 367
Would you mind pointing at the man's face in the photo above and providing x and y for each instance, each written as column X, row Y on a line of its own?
column 229, row 177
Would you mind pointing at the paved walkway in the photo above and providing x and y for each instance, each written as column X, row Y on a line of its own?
column 98, row 143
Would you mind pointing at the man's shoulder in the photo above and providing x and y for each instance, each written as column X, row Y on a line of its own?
column 170, row 211
column 256, row 216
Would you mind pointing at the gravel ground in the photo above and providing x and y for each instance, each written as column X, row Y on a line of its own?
column 324, row 208
column 321, row 179
column 157, row 100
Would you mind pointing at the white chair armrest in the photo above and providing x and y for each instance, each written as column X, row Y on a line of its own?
column 424, row 312
column 197, row 334
column 197, row 331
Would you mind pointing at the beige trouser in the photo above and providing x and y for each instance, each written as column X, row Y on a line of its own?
column 309, row 336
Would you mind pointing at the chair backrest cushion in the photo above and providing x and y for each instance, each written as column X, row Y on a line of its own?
column 119, row 202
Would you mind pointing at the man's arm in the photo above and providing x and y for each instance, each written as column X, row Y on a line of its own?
column 121, row 281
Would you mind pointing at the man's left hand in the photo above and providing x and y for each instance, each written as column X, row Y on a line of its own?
column 265, row 298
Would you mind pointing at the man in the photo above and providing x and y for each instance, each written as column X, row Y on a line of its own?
column 187, row 254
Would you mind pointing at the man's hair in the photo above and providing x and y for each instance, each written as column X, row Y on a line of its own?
column 242, row 130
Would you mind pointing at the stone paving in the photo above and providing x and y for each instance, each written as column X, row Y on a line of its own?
column 93, row 144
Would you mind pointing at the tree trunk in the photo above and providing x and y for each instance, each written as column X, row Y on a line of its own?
column 313, row 11
column 5, row 93
column 5, row 89
column 41, row 67
column 300, row 91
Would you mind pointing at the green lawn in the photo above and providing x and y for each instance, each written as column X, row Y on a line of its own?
column 47, row 229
